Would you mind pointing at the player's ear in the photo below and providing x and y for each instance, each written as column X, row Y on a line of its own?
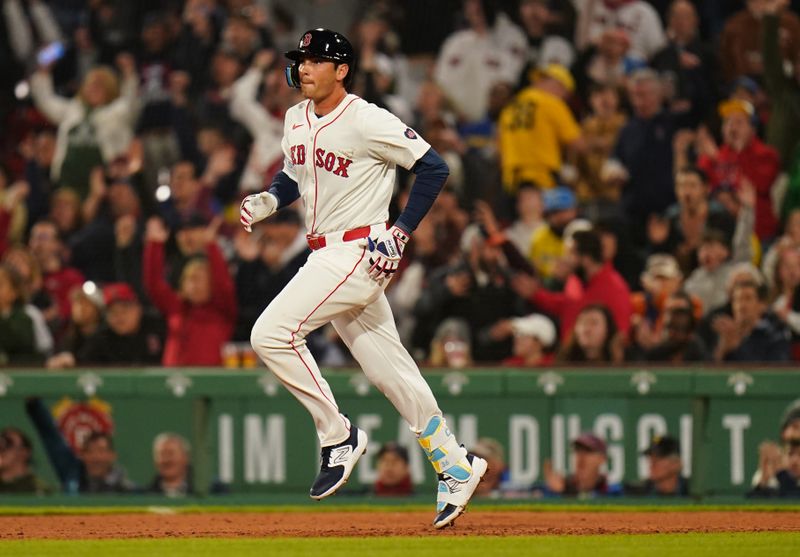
column 342, row 70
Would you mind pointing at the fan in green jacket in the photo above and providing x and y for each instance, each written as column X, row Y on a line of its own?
column 17, row 336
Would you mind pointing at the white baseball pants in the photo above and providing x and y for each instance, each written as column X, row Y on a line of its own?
column 333, row 286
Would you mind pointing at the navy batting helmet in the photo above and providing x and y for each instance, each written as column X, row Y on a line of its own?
column 321, row 43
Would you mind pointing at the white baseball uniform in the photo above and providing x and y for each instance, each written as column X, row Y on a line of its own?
column 344, row 164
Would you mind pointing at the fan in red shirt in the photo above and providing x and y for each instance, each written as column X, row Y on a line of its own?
column 202, row 313
column 742, row 158
column 592, row 282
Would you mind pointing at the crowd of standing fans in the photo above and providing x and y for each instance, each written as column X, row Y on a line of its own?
column 624, row 177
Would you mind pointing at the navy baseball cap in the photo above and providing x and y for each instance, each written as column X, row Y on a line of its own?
column 792, row 414
column 589, row 442
column 323, row 43
column 747, row 83
column 663, row 445
column 559, row 198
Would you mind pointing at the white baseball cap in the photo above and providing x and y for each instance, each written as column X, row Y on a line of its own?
column 535, row 325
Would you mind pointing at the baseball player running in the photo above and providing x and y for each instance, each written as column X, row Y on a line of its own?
column 341, row 155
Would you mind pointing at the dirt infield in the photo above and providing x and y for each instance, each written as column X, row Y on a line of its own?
column 312, row 524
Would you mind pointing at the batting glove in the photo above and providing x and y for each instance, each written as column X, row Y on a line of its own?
column 256, row 207
column 385, row 252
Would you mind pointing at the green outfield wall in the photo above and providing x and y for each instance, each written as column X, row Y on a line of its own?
column 248, row 431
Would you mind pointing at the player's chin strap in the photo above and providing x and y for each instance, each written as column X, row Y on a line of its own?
column 443, row 451
column 292, row 73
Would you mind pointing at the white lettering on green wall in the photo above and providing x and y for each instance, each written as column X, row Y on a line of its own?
column 558, row 448
column 736, row 424
column 610, row 428
column 686, row 444
column 649, row 426
column 264, row 448
column 225, row 447
column 523, row 432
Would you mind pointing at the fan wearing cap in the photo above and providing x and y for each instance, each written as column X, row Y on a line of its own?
column 664, row 476
column 534, row 336
column 496, row 480
column 742, row 162
column 778, row 473
column 394, row 473
column 536, row 128
column 588, row 479
column 125, row 340
column 661, row 279
column 560, row 207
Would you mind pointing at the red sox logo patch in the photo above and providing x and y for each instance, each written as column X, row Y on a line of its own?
column 306, row 40
column 409, row 133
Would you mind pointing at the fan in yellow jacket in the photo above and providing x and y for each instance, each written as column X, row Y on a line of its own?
column 535, row 128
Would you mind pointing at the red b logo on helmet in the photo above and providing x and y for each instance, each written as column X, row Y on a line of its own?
column 306, row 40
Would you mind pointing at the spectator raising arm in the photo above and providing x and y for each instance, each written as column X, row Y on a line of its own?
column 20, row 35
column 156, row 287
column 745, row 224
column 65, row 464
column 265, row 128
column 223, row 292
column 54, row 107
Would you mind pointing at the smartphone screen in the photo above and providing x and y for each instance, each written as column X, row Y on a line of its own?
column 50, row 54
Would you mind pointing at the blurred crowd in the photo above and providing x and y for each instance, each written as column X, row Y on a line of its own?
column 90, row 466
column 624, row 177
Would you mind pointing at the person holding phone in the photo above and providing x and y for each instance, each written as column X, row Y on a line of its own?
column 95, row 126
column 24, row 24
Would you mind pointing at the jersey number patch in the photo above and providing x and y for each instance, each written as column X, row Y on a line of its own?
column 522, row 115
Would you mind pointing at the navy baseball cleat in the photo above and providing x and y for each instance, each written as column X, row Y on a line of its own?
column 457, row 484
column 338, row 462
